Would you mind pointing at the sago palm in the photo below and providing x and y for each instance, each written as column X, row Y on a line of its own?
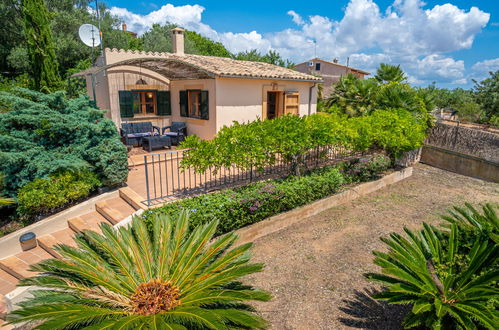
column 164, row 277
column 469, row 219
column 447, row 290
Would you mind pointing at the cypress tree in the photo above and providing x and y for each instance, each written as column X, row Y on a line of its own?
column 41, row 47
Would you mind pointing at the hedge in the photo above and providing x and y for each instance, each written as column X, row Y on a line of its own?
column 260, row 143
column 46, row 195
column 239, row 207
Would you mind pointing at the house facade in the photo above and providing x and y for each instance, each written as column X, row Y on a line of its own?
column 206, row 92
column 330, row 72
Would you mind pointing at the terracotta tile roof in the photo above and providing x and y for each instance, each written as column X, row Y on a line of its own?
column 208, row 65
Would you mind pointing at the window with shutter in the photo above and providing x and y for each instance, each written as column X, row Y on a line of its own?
column 194, row 104
column 183, row 103
column 144, row 102
column 204, row 105
column 164, row 103
column 126, row 104
column 292, row 103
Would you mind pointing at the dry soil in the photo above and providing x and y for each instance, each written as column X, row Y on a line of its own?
column 314, row 268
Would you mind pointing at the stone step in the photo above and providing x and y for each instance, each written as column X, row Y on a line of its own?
column 64, row 236
column 7, row 282
column 114, row 209
column 18, row 265
column 132, row 198
column 89, row 221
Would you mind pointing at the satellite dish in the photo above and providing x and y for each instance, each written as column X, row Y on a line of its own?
column 90, row 35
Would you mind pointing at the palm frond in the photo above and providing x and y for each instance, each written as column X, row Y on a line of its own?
column 449, row 277
column 165, row 277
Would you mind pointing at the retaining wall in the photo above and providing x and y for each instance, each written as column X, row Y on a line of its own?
column 465, row 140
column 468, row 151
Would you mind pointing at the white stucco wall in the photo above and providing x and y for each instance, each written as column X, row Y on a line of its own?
column 243, row 100
column 205, row 129
column 230, row 99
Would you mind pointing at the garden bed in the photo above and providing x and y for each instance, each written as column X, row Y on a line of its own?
column 314, row 268
column 242, row 206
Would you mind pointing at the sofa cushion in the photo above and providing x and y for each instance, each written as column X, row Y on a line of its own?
column 174, row 133
column 139, row 134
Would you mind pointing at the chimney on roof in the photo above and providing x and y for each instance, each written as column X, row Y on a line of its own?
column 123, row 26
column 178, row 41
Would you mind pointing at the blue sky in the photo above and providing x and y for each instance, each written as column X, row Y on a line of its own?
column 449, row 42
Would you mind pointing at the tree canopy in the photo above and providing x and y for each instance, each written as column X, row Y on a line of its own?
column 40, row 46
column 44, row 134
column 487, row 94
column 390, row 73
column 61, row 24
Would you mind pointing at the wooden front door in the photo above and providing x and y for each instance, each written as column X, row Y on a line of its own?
column 274, row 108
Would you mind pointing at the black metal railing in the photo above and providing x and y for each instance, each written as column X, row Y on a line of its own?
column 167, row 179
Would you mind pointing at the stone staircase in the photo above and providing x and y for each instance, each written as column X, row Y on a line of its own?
column 111, row 211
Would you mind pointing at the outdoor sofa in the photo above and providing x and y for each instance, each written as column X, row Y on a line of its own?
column 133, row 133
column 177, row 131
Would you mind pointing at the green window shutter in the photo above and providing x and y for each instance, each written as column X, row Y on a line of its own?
column 126, row 104
column 205, row 109
column 183, row 104
column 164, row 104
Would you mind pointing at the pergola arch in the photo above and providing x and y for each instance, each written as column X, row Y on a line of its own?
column 170, row 68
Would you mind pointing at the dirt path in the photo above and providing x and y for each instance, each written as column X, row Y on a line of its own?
column 314, row 268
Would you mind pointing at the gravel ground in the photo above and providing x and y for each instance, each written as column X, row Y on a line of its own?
column 314, row 268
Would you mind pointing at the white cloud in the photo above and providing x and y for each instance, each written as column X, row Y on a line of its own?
column 296, row 18
column 440, row 67
column 406, row 33
column 369, row 62
column 188, row 16
column 480, row 70
column 486, row 66
column 236, row 42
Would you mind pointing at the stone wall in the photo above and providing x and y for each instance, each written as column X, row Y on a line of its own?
column 464, row 140
column 463, row 150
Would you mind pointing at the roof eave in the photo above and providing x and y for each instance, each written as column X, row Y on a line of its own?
column 270, row 78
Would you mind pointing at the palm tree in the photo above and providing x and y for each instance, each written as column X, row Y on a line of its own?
column 353, row 96
column 163, row 277
column 397, row 96
column 450, row 279
column 389, row 73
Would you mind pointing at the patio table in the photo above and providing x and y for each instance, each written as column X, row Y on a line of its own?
column 155, row 142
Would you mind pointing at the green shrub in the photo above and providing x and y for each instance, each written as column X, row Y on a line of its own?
column 394, row 130
column 366, row 169
column 261, row 143
column 3, row 200
column 449, row 276
column 494, row 121
column 47, row 133
column 48, row 194
column 236, row 208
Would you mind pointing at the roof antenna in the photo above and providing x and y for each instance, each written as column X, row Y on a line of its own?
column 314, row 41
